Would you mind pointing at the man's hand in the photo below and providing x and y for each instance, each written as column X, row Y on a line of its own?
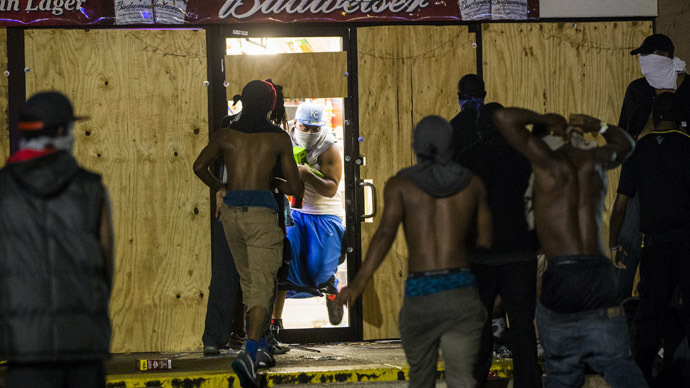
column 584, row 123
column 304, row 172
column 617, row 257
column 556, row 124
column 346, row 296
column 220, row 194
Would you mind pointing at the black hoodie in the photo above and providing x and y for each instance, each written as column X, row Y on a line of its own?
column 54, row 290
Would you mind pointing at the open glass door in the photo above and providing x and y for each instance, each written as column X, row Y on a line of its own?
column 311, row 68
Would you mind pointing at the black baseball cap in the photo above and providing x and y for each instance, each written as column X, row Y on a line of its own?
column 46, row 111
column 653, row 43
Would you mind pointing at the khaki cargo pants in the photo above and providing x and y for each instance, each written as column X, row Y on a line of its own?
column 256, row 244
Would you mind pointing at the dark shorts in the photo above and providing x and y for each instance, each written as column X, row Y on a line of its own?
column 579, row 283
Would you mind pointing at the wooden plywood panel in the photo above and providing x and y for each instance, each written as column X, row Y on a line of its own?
column 516, row 64
column 564, row 68
column 304, row 75
column 399, row 83
column 148, row 106
column 4, row 120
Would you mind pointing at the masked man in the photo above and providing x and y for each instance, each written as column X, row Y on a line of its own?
column 317, row 234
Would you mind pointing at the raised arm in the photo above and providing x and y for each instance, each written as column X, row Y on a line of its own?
column 393, row 213
column 512, row 123
column 619, row 145
column 292, row 184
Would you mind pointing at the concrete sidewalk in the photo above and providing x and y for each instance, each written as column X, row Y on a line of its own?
column 378, row 364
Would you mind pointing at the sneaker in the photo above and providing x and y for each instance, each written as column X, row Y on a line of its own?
column 335, row 311
column 264, row 359
column 210, row 350
column 235, row 341
column 245, row 370
column 278, row 347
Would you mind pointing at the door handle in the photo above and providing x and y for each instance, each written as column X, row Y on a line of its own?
column 373, row 196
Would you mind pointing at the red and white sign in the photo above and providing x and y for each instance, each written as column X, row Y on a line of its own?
column 202, row 12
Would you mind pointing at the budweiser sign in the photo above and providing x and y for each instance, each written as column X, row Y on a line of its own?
column 239, row 10
column 201, row 12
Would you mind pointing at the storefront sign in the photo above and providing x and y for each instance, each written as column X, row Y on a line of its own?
column 201, row 12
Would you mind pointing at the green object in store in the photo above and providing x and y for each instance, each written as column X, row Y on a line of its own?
column 300, row 155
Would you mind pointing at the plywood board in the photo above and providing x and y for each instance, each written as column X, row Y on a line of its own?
column 144, row 92
column 4, row 119
column 405, row 73
column 303, row 75
column 564, row 68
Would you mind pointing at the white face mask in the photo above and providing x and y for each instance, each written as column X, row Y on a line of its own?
column 306, row 139
column 661, row 72
column 554, row 142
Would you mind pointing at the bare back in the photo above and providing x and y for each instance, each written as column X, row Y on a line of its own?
column 568, row 203
column 436, row 228
column 251, row 157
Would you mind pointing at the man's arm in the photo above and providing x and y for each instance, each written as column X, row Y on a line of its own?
column 205, row 160
column 484, row 222
column 292, row 184
column 619, row 145
column 512, row 122
column 331, row 165
column 393, row 213
column 107, row 240
column 615, row 224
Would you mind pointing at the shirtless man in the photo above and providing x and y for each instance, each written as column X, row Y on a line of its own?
column 436, row 200
column 252, row 147
column 578, row 319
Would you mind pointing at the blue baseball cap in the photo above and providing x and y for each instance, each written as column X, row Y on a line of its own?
column 310, row 113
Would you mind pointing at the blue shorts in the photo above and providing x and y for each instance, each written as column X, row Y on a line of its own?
column 316, row 248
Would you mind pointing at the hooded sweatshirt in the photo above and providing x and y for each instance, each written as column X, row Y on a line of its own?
column 54, row 288
column 436, row 173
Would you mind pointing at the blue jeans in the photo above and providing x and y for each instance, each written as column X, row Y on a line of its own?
column 596, row 337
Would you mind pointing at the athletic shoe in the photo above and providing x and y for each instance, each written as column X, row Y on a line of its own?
column 278, row 347
column 335, row 311
column 246, row 371
column 235, row 341
column 210, row 350
column 264, row 359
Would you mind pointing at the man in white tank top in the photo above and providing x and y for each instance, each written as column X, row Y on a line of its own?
column 316, row 237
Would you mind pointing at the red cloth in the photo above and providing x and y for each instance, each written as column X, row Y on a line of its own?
column 28, row 154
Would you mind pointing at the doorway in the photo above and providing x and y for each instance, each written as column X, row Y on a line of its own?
column 312, row 65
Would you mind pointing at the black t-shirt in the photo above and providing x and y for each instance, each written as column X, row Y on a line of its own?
column 505, row 173
column 659, row 171
column 464, row 133
column 637, row 104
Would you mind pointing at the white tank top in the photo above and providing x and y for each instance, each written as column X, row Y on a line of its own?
column 317, row 204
